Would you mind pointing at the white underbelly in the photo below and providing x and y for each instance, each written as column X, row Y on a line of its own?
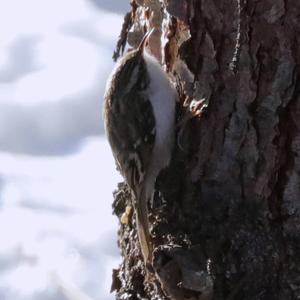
column 163, row 98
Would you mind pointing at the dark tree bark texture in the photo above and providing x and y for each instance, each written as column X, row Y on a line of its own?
column 226, row 219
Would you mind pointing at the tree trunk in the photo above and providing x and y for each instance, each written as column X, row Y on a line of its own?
column 226, row 219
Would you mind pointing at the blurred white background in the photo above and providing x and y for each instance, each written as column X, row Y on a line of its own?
column 57, row 233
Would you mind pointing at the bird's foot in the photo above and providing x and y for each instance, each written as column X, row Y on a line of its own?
column 195, row 109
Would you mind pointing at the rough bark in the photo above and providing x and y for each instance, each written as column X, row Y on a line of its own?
column 226, row 220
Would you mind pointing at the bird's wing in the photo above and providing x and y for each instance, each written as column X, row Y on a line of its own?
column 131, row 133
column 130, row 126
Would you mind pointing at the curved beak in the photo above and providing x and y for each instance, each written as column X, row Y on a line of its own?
column 144, row 41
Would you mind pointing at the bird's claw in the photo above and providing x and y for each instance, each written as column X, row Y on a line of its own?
column 195, row 109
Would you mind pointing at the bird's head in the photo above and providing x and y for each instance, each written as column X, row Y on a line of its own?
column 131, row 69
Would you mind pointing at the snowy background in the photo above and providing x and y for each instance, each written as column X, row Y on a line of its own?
column 57, row 234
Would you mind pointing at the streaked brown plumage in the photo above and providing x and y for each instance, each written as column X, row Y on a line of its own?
column 139, row 113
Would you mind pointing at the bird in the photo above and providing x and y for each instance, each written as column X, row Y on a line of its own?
column 139, row 121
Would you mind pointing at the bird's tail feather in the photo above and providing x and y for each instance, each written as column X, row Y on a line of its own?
column 143, row 225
